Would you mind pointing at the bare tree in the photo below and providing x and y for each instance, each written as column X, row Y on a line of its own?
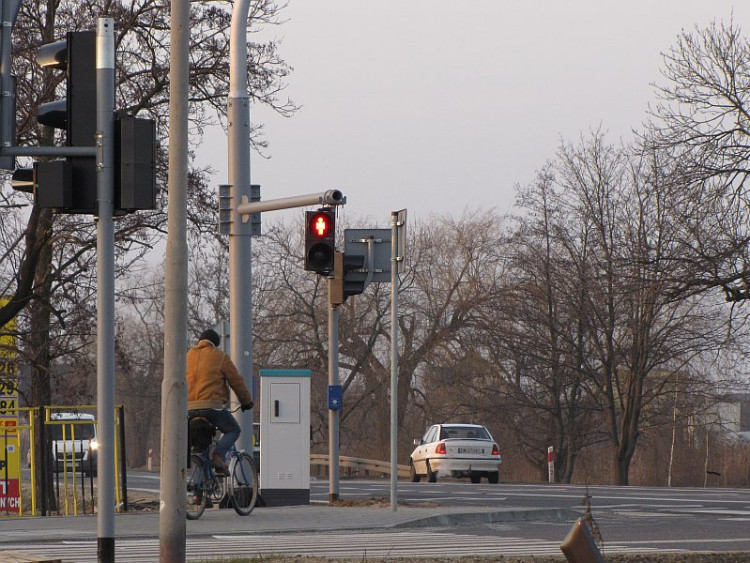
column 139, row 351
column 142, row 86
column 619, row 209
column 534, row 339
column 448, row 278
column 701, row 123
column 456, row 271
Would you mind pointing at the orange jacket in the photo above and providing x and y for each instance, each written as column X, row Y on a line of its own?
column 210, row 373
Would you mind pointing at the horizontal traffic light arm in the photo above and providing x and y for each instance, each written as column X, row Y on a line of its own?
column 330, row 197
column 48, row 151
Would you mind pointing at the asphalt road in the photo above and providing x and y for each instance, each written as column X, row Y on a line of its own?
column 709, row 502
column 463, row 493
column 688, row 519
column 652, row 517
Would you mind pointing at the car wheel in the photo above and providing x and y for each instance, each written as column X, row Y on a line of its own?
column 431, row 476
column 475, row 477
column 413, row 473
column 493, row 477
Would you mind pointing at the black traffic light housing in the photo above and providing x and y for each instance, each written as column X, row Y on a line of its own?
column 353, row 286
column 74, row 185
column 346, row 280
column 320, row 240
column 71, row 185
column 135, row 177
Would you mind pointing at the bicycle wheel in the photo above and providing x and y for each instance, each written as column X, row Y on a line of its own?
column 196, row 491
column 242, row 483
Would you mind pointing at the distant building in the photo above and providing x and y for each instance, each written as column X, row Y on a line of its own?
column 734, row 416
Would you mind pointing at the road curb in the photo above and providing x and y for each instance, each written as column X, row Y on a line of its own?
column 453, row 519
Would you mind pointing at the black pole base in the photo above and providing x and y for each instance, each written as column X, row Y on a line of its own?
column 106, row 550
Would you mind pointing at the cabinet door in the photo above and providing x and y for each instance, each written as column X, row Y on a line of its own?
column 285, row 402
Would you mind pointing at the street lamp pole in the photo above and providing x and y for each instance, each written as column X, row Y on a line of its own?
column 240, row 233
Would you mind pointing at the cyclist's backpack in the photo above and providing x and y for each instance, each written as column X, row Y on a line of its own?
column 201, row 432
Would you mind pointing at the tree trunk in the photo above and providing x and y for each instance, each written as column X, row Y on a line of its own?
column 623, row 455
column 38, row 351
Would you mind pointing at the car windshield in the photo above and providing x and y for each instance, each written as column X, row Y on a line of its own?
column 464, row 432
column 82, row 430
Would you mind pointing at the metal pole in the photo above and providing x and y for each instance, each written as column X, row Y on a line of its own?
column 394, row 361
column 240, row 234
column 172, row 530
column 333, row 414
column 105, row 267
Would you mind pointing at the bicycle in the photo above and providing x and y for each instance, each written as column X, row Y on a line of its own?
column 204, row 486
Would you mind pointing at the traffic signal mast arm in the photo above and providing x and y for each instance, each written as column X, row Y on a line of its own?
column 330, row 197
column 49, row 151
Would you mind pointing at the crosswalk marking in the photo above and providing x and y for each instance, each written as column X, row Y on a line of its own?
column 397, row 544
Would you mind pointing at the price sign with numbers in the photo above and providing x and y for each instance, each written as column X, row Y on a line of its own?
column 10, row 461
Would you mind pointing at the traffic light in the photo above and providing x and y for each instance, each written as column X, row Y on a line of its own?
column 354, row 281
column 135, row 150
column 7, row 114
column 320, row 240
column 8, row 82
column 348, row 279
column 70, row 185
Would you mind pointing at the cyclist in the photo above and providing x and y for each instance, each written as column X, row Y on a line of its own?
column 210, row 373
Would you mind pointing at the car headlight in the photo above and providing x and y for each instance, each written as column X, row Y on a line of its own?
column 93, row 444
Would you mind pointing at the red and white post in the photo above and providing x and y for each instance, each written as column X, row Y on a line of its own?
column 551, row 463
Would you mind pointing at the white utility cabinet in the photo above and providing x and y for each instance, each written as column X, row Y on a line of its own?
column 285, row 436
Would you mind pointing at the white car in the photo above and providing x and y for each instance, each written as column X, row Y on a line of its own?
column 74, row 442
column 455, row 450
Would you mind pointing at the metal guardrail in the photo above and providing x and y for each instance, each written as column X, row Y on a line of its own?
column 368, row 465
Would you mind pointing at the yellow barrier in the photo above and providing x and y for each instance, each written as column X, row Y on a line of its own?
column 68, row 425
column 72, row 490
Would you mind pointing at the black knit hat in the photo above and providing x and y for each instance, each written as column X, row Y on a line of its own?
column 211, row 336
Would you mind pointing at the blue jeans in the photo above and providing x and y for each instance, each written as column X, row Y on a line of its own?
column 225, row 422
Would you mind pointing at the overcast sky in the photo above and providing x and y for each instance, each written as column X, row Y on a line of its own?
column 436, row 106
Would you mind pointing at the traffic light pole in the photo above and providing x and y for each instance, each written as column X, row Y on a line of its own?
column 240, row 232
column 333, row 414
column 394, row 360
column 105, row 306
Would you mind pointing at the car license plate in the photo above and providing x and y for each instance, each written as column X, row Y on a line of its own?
column 470, row 450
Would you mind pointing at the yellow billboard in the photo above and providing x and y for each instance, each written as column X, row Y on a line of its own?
column 10, row 451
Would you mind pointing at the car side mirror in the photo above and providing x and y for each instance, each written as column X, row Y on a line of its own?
column 417, row 442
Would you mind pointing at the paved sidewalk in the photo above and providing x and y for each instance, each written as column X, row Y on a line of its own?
column 307, row 518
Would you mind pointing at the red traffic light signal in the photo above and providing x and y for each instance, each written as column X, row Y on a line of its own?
column 320, row 239
column 321, row 225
